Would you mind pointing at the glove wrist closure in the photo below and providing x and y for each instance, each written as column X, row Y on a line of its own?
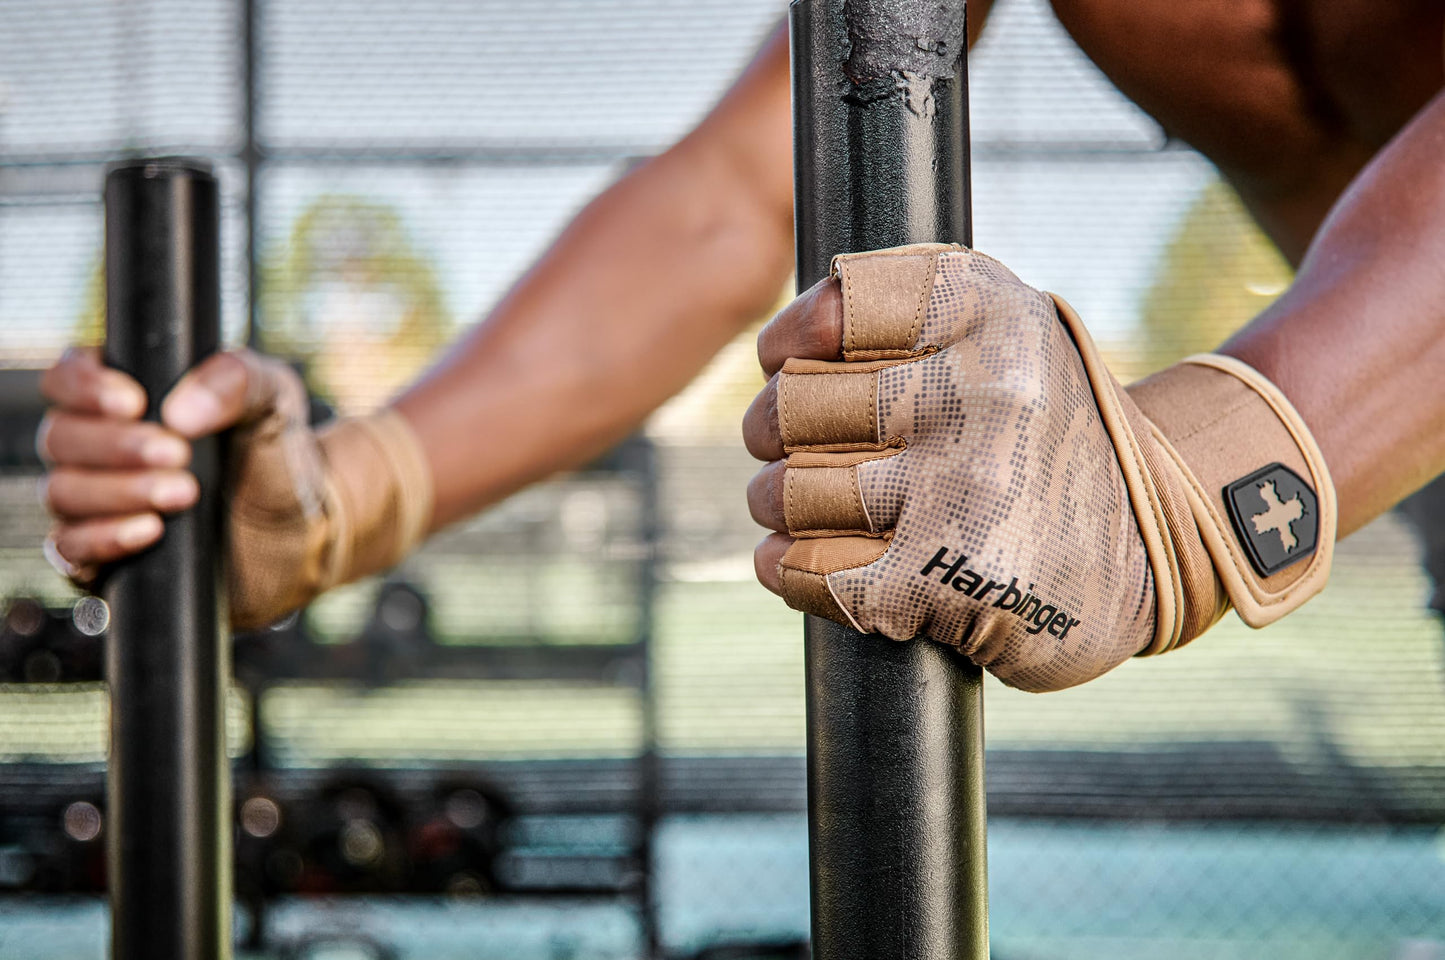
column 378, row 495
column 1257, row 485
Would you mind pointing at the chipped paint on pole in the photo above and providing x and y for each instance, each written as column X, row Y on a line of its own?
column 899, row 50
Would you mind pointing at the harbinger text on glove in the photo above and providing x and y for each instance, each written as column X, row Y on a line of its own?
column 969, row 472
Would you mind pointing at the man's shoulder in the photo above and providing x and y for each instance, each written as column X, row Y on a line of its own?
column 1269, row 89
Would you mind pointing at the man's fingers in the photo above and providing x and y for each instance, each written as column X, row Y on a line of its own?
column 766, row 558
column 80, row 440
column 72, row 494
column 79, row 382
column 765, row 496
column 93, row 543
column 225, row 390
column 83, row 576
column 811, row 328
column 761, row 432
column 830, row 494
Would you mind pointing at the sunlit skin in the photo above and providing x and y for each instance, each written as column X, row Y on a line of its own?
column 1294, row 100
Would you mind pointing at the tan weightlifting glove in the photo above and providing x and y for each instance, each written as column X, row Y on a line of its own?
column 311, row 510
column 972, row 474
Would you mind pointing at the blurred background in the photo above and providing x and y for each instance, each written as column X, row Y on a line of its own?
column 574, row 725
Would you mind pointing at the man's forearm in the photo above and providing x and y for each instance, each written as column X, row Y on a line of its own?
column 643, row 287
column 1356, row 343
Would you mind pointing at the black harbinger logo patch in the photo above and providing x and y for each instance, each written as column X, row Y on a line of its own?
column 1276, row 517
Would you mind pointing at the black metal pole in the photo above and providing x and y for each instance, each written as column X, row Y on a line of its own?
column 251, row 156
column 167, row 780
column 895, row 730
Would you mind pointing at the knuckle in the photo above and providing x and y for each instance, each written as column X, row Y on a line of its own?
column 67, row 493
column 135, row 488
column 52, row 491
column 765, row 497
column 225, row 375
column 71, row 543
column 268, row 386
column 84, row 379
column 228, row 371
column 823, row 323
column 73, row 364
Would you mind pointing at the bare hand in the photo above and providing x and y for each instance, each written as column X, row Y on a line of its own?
column 111, row 475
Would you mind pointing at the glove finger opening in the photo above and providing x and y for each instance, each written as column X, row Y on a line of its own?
column 826, row 495
column 885, row 297
column 831, row 407
column 804, row 569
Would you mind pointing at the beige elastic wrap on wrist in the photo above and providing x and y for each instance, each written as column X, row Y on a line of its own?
column 1221, row 420
column 378, row 492
column 1184, row 436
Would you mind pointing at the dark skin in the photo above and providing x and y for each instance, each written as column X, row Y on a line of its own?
column 1291, row 98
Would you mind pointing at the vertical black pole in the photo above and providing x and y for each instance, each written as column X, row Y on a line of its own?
column 251, row 156
column 644, row 460
column 169, row 805
column 895, row 730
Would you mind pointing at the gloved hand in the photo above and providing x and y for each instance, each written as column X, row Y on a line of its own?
column 307, row 510
column 961, row 467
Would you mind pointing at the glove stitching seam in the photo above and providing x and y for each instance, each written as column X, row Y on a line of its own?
column 1216, row 420
column 858, row 492
column 861, row 446
column 1166, row 539
column 828, row 582
column 924, row 295
column 789, row 499
column 873, row 405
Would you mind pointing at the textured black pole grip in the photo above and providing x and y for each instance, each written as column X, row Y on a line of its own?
column 168, row 786
column 895, row 730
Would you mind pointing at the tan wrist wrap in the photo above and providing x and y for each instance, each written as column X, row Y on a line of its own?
column 378, row 492
column 1256, row 482
column 309, row 511
column 1230, row 490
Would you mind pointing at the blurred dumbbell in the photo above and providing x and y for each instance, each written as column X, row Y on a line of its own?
column 38, row 645
column 398, row 635
column 23, row 654
column 349, row 838
column 260, row 817
column 454, row 842
column 60, row 851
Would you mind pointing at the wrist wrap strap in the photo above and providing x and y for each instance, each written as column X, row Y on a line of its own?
column 1230, row 491
column 378, row 494
column 312, row 511
column 1256, row 482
